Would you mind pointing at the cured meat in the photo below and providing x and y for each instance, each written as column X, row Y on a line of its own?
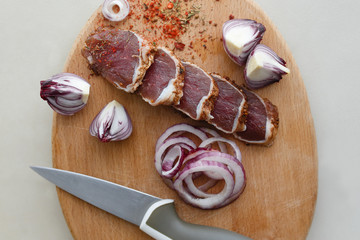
column 199, row 93
column 125, row 60
column 230, row 107
column 122, row 57
column 164, row 80
column 262, row 120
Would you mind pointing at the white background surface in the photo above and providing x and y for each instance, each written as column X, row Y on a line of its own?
column 36, row 37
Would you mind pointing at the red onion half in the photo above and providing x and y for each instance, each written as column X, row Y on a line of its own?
column 264, row 67
column 180, row 162
column 115, row 10
column 240, row 36
column 66, row 93
column 112, row 123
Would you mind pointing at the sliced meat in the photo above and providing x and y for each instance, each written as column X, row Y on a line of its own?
column 262, row 120
column 230, row 107
column 199, row 93
column 164, row 80
column 122, row 57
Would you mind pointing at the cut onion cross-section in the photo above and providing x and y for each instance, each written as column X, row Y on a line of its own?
column 66, row 93
column 112, row 123
column 240, row 36
column 264, row 67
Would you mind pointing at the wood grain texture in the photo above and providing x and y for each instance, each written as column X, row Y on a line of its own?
column 280, row 196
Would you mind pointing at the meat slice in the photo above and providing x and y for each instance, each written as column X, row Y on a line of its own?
column 122, row 57
column 199, row 93
column 262, row 120
column 230, row 107
column 164, row 80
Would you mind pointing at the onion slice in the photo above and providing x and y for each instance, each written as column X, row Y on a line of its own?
column 66, row 93
column 213, row 200
column 218, row 140
column 179, row 161
column 169, row 156
column 115, row 10
column 180, row 129
column 264, row 67
column 112, row 123
column 240, row 36
column 218, row 161
column 213, row 133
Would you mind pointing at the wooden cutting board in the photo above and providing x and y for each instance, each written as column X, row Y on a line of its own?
column 280, row 196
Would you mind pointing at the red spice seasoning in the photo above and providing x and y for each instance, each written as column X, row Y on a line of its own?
column 231, row 17
column 191, row 45
column 170, row 5
column 180, row 46
column 173, row 19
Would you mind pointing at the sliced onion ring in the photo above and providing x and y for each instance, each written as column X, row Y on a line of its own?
column 213, row 133
column 109, row 6
column 179, row 162
column 209, row 141
column 179, row 129
column 213, row 200
column 233, row 164
column 166, row 157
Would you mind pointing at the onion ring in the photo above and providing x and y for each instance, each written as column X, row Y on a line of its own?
column 179, row 161
column 112, row 15
column 212, row 201
column 179, row 129
column 221, row 139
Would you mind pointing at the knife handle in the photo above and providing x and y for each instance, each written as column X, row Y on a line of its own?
column 163, row 223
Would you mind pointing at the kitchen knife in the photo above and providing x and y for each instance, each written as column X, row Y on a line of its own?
column 156, row 217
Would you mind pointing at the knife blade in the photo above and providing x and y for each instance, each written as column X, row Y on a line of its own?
column 155, row 216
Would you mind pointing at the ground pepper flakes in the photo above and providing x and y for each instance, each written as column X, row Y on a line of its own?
column 180, row 46
column 172, row 18
column 170, row 5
